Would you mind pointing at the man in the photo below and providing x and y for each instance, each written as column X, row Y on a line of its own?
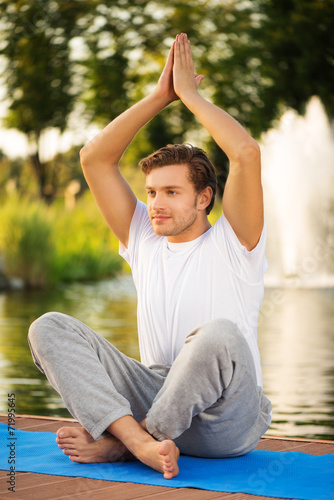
column 198, row 389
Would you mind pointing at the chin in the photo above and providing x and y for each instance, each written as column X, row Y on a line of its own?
column 159, row 231
column 162, row 231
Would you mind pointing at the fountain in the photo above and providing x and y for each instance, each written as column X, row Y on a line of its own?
column 298, row 181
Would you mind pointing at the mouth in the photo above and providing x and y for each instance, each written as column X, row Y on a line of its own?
column 160, row 218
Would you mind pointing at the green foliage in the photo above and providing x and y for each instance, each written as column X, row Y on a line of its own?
column 85, row 247
column 265, row 56
column 45, row 245
column 257, row 57
column 35, row 40
column 297, row 53
column 36, row 43
column 26, row 242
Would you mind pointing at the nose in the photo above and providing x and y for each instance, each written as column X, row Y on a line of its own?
column 158, row 203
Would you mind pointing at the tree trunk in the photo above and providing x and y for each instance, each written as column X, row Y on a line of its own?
column 46, row 191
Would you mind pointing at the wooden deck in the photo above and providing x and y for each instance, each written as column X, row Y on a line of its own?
column 30, row 486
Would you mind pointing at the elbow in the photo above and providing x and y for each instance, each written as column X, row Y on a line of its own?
column 249, row 152
column 247, row 155
column 84, row 157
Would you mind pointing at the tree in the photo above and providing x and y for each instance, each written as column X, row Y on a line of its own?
column 127, row 50
column 268, row 55
column 258, row 57
column 35, row 41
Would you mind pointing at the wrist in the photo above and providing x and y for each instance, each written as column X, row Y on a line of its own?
column 189, row 95
column 161, row 99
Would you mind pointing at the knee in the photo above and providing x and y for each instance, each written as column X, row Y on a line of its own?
column 218, row 332
column 218, row 338
column 223, row 328
column 42, row 329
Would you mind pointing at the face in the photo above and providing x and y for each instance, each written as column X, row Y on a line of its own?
column 172, row 203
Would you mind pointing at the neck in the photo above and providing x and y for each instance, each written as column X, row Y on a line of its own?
column 192, row 233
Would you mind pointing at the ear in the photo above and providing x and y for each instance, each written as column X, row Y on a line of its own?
column 204, row 198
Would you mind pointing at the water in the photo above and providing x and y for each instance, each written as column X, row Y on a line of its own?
column 108, row 307
column 296, row 339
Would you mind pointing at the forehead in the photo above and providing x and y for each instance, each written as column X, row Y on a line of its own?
column 168, row 176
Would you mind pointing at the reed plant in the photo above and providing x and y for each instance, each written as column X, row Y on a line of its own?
column 26, row 242
column 44, row 245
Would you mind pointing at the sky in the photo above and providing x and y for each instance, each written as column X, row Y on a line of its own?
column 14, row 144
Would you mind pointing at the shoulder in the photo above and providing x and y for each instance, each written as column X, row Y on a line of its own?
column 249, row 265
column 141, row 231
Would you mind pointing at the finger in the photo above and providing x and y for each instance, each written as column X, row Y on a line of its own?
column 177, row 53
column 188, row 54
column 198, row 79
column 170, row 58
column 180, row 47
column 169, row 61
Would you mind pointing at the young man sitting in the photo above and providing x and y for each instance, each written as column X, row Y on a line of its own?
column 198, row 389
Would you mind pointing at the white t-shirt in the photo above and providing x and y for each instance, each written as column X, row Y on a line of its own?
column 181, row 286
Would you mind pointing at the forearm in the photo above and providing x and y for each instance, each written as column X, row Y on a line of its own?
column 109, row 145
column 230, row 136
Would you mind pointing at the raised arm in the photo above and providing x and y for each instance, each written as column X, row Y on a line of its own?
column 100, row 157
column 243, row 197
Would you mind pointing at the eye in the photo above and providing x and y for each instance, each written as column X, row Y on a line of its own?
column 171, row 192
column 150, row 193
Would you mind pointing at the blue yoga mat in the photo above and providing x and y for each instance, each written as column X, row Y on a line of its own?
column 267, row 473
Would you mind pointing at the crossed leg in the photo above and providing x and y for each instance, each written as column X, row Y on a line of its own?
column 111, row 381
column 213, row 375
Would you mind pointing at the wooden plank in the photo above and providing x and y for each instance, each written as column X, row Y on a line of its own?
column 316, row 448
column 27, row 480
column 56, row 487
column 135, row 493
column 40, row 424
column 290, row 445
column 268, row 436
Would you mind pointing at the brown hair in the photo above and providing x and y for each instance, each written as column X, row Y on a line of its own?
column 201, row 171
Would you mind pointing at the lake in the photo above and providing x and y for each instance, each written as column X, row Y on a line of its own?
column 296, row 340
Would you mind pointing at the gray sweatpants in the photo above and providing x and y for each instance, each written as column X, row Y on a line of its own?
column 208, row 402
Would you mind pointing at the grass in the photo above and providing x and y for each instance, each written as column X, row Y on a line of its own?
column 44, row 245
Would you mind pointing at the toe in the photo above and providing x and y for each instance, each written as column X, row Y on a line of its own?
column 67, row 446
column 66, row 451
column 77, row 459
column 67, row 432
column 62, row 440
column 168, row 475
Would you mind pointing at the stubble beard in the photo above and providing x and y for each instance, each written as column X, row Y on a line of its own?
column 181, row 225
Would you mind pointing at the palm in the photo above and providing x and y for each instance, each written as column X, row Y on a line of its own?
column 183, row 71
column 166, row 81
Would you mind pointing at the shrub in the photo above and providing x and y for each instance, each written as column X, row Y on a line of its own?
column 26, row 243
column 44, row 245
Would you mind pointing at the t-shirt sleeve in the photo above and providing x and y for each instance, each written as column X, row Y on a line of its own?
column 140, row 229
column 249, row 266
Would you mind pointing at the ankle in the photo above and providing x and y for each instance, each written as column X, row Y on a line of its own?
column 143, row 425
column 130, row 433
column 138, row 442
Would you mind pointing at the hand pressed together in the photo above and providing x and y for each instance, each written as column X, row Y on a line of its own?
column 184, row 79
column 178, row 75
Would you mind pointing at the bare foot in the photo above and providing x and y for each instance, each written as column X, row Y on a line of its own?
column 79, row 445
column 161, row 456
